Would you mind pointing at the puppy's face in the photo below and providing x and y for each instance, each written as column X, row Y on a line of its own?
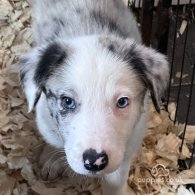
column 95, row 99
column 93, row 90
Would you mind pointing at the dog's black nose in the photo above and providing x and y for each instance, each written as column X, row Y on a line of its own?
column 94, row 161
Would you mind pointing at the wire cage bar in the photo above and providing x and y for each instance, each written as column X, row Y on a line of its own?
column 169, row 27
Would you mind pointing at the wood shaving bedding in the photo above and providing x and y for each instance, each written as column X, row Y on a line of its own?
column 154, row 171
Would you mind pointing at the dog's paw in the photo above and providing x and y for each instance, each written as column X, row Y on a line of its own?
column 52, row 163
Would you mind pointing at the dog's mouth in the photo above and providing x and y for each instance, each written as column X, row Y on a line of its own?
column 87, row 173
column 95, row 174
column 84, row 172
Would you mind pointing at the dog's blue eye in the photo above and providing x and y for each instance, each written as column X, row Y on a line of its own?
column 123, row 102
column 68, row 103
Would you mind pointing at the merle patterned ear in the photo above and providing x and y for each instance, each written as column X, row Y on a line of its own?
column 151, row 66
column 37, row 66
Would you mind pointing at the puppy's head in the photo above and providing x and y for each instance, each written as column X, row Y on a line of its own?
column 93, row 89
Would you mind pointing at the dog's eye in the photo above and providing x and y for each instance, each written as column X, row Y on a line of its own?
column 68, row 103
column 123, row 102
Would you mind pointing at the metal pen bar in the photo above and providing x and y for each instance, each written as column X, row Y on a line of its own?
column 147, row 17
column 188, row 108
column 162, row 34
column 173, row 53
column 192, row 157
column 183, row 59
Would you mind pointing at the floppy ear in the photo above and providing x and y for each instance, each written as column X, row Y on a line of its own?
column 36, row 67
column 151, row 66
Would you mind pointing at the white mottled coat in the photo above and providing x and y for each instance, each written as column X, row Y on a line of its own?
column 90, row 51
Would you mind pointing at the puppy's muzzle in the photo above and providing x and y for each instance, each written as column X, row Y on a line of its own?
column 94, row 161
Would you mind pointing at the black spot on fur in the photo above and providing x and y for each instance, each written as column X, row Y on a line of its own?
column 57, row 118
column 50, row 95
column 58, row 25
column 78, row 11
column 58, row 21
column 104, row 21
column 111, row 48
column 52, row 102
column 23, row 62
column 51, row 114
column 22, row 76
column 50, row 59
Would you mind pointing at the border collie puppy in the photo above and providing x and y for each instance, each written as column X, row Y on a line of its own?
column 88, row 77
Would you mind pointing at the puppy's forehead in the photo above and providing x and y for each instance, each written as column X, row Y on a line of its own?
column 93, row 69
